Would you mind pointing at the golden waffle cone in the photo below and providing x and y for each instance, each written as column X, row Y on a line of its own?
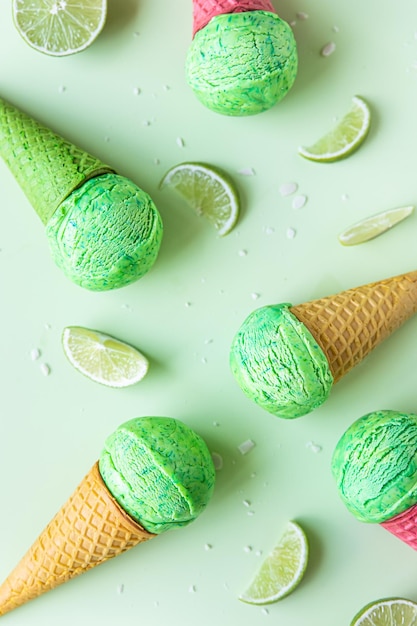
column 205, row 10
column 46, row 166
column 404, row 526
column 349, row 325
column 89, row 529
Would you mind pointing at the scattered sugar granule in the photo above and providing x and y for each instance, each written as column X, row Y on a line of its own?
column 208, row 341
column 345, row 197
column 120, row 589
column 293, row 23
column 246, row 446
column 291, row 233
column 156, row 161
column 335, row 29
column 136, row 91
column 187, row 304
column 146, row 123
column 62, row 88
column 45, row 369
column 208, row 547
column 180, row 142
column 47, row 326
column 107, row 139
column 299, row 202
column 265, row 611
column 248, row 548
column 167, row 87
column 287, row 189
column 255, row 296
column 156, row 603
column 243, row 252
column 35, row 354
column 269, row 230
column 216, row 424
column 246, row 503
column 217, row 460
column 204, row 360
column 192, row 589
column 136, row 33
column 301, row 15
column 328, row 49
column 314, row 447
column 258, row 553
column 250, row 513
column 247, row 171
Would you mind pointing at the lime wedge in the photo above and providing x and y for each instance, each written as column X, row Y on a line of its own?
column 371, row 227
column 282, row 570
column 208, row 190
column 388, row 612
column 102, row 358
column 345, row 138
column 59, row 27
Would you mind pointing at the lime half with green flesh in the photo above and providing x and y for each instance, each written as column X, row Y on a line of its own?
column 103, row 358
column 59, row 27
column 282, row 570
column 387, row 612
column 373, row 226
column 345, row 138
column 208, row 191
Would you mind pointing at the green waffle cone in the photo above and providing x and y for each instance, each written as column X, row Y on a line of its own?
column 46, row 166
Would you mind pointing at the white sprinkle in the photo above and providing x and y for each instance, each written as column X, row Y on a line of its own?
column 293, row 23
column 250, row 513
column 247, row 171
column 269, row 230
column 156, row 603
column 136, row 33
column 291, row 233
column 207, row 341
column 180, row 142
column 287, row 189
column 314, row 447
column 345, row 197
column 208, row 547
column 203, row 360
column 136, row 91
column 187, row 304
column 127, row 307
column 107, row 139
column 216, row 424
column 35, row 354
column 243, row 252
column 253, row 475
column 255, row 296
column 328, row 49
column 299, row 202
column 167, row 87
column 47, row 326
column 192, row 589
column 248, row 548
column 246, row 446
column 45, row 369
column 146, row 123
column 226, row 586
column 265, row 611
column 62, row 88
column 335, row 29
column 246, row 502
column 120, row 589
column 258, row 553
column 217, row 460
column 301, row 15
column 156, row 161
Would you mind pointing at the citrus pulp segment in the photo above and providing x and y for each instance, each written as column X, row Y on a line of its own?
column 59, row 27
column 103, row 358
column 371, row 227
column 208, row 190
column 282, row 570
column 345, row 138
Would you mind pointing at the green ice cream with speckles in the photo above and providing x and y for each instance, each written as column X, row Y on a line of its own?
column 242, row 63
column 375, row 465
column 106, row 233
column 159, row 471
column 278, row 363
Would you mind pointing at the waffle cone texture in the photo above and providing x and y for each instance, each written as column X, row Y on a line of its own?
column 205, row 10
column 90, row 529
column 349, row 325
column 46, row 166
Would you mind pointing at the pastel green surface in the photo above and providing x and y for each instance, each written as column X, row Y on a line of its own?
column 159, row 470
column 242, row 63
column 106, row 234
column 278, row 363
column 375, row 465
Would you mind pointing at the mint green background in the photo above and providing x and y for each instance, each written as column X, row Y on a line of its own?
column 68, row 416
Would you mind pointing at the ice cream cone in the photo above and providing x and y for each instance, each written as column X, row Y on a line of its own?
column 404, row 526
column 349, row 325
column 205, row 10
column 90, row 528
column 47, row 167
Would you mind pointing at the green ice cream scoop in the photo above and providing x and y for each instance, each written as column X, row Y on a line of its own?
column 242, row 63
column 104, row 232
column 159, row 471
column 278, row 363
column 375, row 465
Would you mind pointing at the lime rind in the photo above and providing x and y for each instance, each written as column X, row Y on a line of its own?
column 387, row 612
column 59, row 27
column 208, row 191
column 347, row 136
column 373, row 226
column 103, row 358
column 282, row 570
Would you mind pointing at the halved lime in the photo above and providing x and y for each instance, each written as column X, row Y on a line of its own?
column 208, row 190
column 387, row 612
column 345, row 138
column 103, row 358
column 282, row 570
column 59, row 27
column 371, row 227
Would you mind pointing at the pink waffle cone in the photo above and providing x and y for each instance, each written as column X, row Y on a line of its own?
column 404, row 526
column 205, row 10
column 90, row 528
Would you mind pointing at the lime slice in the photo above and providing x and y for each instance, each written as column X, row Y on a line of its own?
column 388, row 612
column 345, row 138
column 102, row 358
column 371, row 227
column 208, row 190
column 59, row 27
column 282, row 570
